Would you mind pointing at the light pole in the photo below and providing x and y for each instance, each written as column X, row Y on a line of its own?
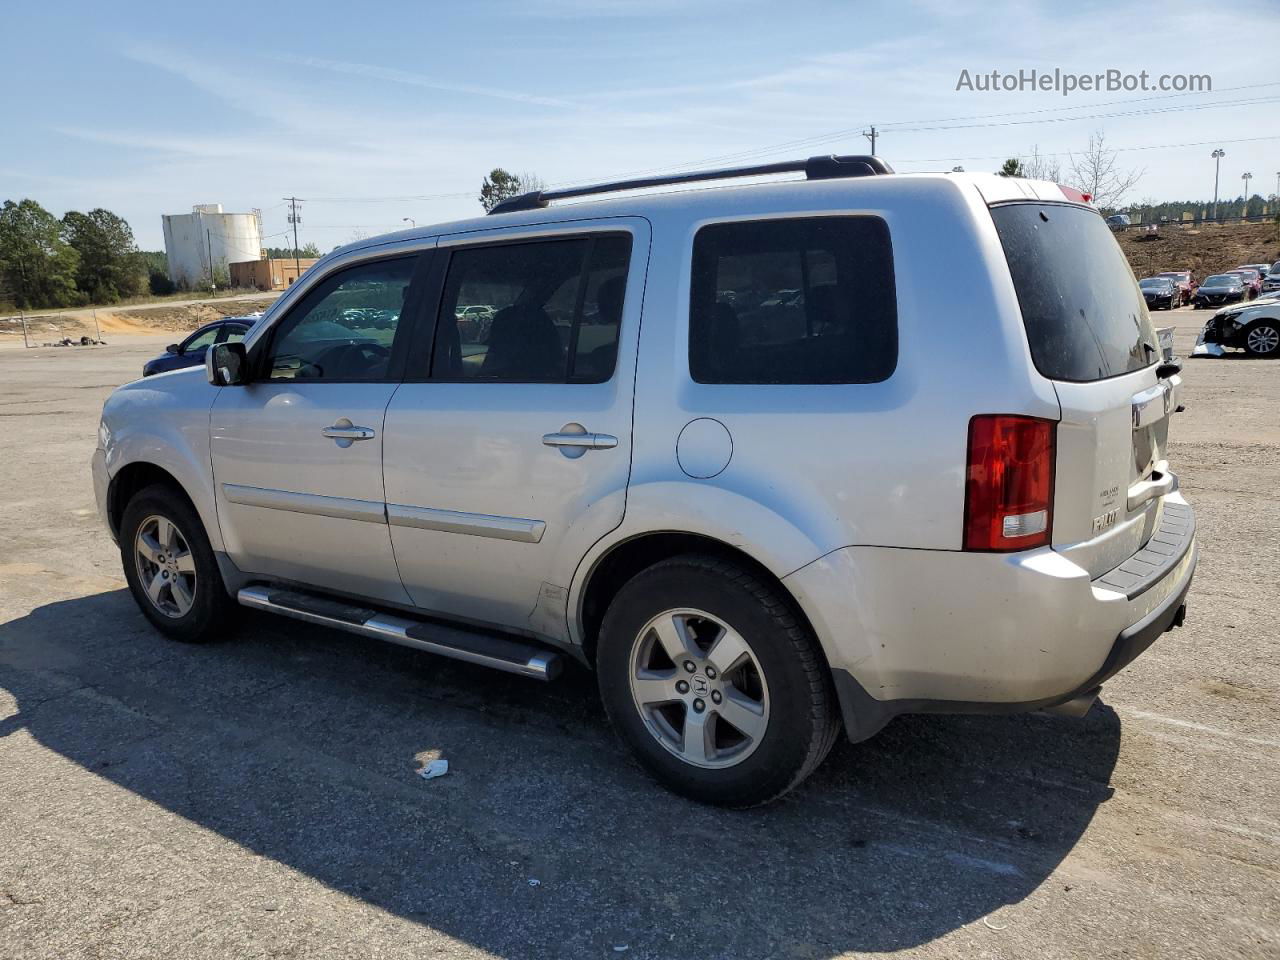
column 1246, row 177
column 1217, row 163
column 410, row 221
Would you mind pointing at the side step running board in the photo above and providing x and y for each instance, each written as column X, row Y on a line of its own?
column 485, row 649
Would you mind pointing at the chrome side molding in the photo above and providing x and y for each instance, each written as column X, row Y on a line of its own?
column 397, row 514
column 474, row 524
column 487, row 650
column 343, row 508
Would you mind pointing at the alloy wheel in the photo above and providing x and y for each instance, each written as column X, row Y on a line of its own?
column 699, row 687
column 1263, row 339
column 166, row 566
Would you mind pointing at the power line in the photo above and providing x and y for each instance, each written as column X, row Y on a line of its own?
column 1088, row 106
column 900, row 126
column 1096, row 116
column 408, row 199
column 1067, row 153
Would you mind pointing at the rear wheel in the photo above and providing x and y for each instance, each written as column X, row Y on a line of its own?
column 170, row 566
column 711, row 680
column 1263, row 339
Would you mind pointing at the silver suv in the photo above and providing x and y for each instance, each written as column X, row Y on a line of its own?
column 773, row 459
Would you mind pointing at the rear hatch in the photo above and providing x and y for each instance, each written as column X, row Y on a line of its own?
column 1090, row 334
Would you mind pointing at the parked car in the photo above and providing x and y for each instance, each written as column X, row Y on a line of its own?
column 1186, row 284
column 1118, row 221
column 754, row 532
column 1219, row 289
column 1271, row 282
column 1254, row 328
column 1252, row 281
column 1160, row 292
column 190, row 352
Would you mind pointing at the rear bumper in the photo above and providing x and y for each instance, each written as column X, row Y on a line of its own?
column 915, row 631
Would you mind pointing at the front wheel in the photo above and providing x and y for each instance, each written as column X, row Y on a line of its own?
column 1263, row 339
column 170, row 566
column 712, row 681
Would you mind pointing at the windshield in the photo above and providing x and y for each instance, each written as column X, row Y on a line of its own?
column 1152, row 283
column 1084, row 316
column 1222, row 280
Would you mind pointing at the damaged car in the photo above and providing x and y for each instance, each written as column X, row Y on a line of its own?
column 1254, row 328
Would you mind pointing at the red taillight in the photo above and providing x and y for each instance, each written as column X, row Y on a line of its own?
column 1008, row 496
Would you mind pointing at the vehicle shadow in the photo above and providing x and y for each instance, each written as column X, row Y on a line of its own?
column 302, row 745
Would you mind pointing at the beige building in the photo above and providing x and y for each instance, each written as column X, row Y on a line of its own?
column 265, row 274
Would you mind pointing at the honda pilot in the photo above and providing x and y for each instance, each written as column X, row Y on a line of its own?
column 776, row 460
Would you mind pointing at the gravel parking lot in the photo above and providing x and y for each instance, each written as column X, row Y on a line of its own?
column 259, row 797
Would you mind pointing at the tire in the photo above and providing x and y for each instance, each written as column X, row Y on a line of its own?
column 1262, row 338
column 165, row 552
column 775, row 683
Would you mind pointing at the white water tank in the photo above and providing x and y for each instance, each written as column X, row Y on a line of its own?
column 205, row 240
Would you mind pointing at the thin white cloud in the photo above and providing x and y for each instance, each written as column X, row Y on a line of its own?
column 393, row 75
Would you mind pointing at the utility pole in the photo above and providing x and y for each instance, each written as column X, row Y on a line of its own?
column 871, row 135
column 96, row 325
column 22, row 311
column 295, row 218
column 208, row 248
column 1217, row 164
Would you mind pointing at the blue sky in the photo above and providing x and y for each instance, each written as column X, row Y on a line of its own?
column 376, row 112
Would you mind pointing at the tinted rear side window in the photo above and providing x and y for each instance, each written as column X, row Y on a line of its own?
column 1085, row 317
column 793, row 301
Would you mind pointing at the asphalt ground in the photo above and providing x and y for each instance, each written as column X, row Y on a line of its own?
column 259, row 797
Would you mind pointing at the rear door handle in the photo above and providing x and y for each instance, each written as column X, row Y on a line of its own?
column 345, row 433
column 583, row 441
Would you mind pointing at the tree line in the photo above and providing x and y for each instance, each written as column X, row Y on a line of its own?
column 304, row 252
column 80, row 259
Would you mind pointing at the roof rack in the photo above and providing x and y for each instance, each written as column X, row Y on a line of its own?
column 815, row 168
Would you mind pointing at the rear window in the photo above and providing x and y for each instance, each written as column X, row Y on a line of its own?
column 1084, row 315
column 806, row 300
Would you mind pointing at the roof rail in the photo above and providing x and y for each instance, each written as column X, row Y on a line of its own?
column 815, row 168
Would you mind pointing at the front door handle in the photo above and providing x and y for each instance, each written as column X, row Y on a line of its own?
column 345, row 433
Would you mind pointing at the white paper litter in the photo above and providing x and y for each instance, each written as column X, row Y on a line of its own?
column 436, row 768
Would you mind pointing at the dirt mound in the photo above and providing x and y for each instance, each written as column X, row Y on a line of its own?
column 116, row 321
column 1204, row 250
column 177, row 318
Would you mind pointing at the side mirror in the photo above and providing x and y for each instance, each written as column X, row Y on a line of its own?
column 226, row 364
column 171, row 348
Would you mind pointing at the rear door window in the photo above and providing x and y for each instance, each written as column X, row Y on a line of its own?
column 1085, row 317
column 796, row 301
